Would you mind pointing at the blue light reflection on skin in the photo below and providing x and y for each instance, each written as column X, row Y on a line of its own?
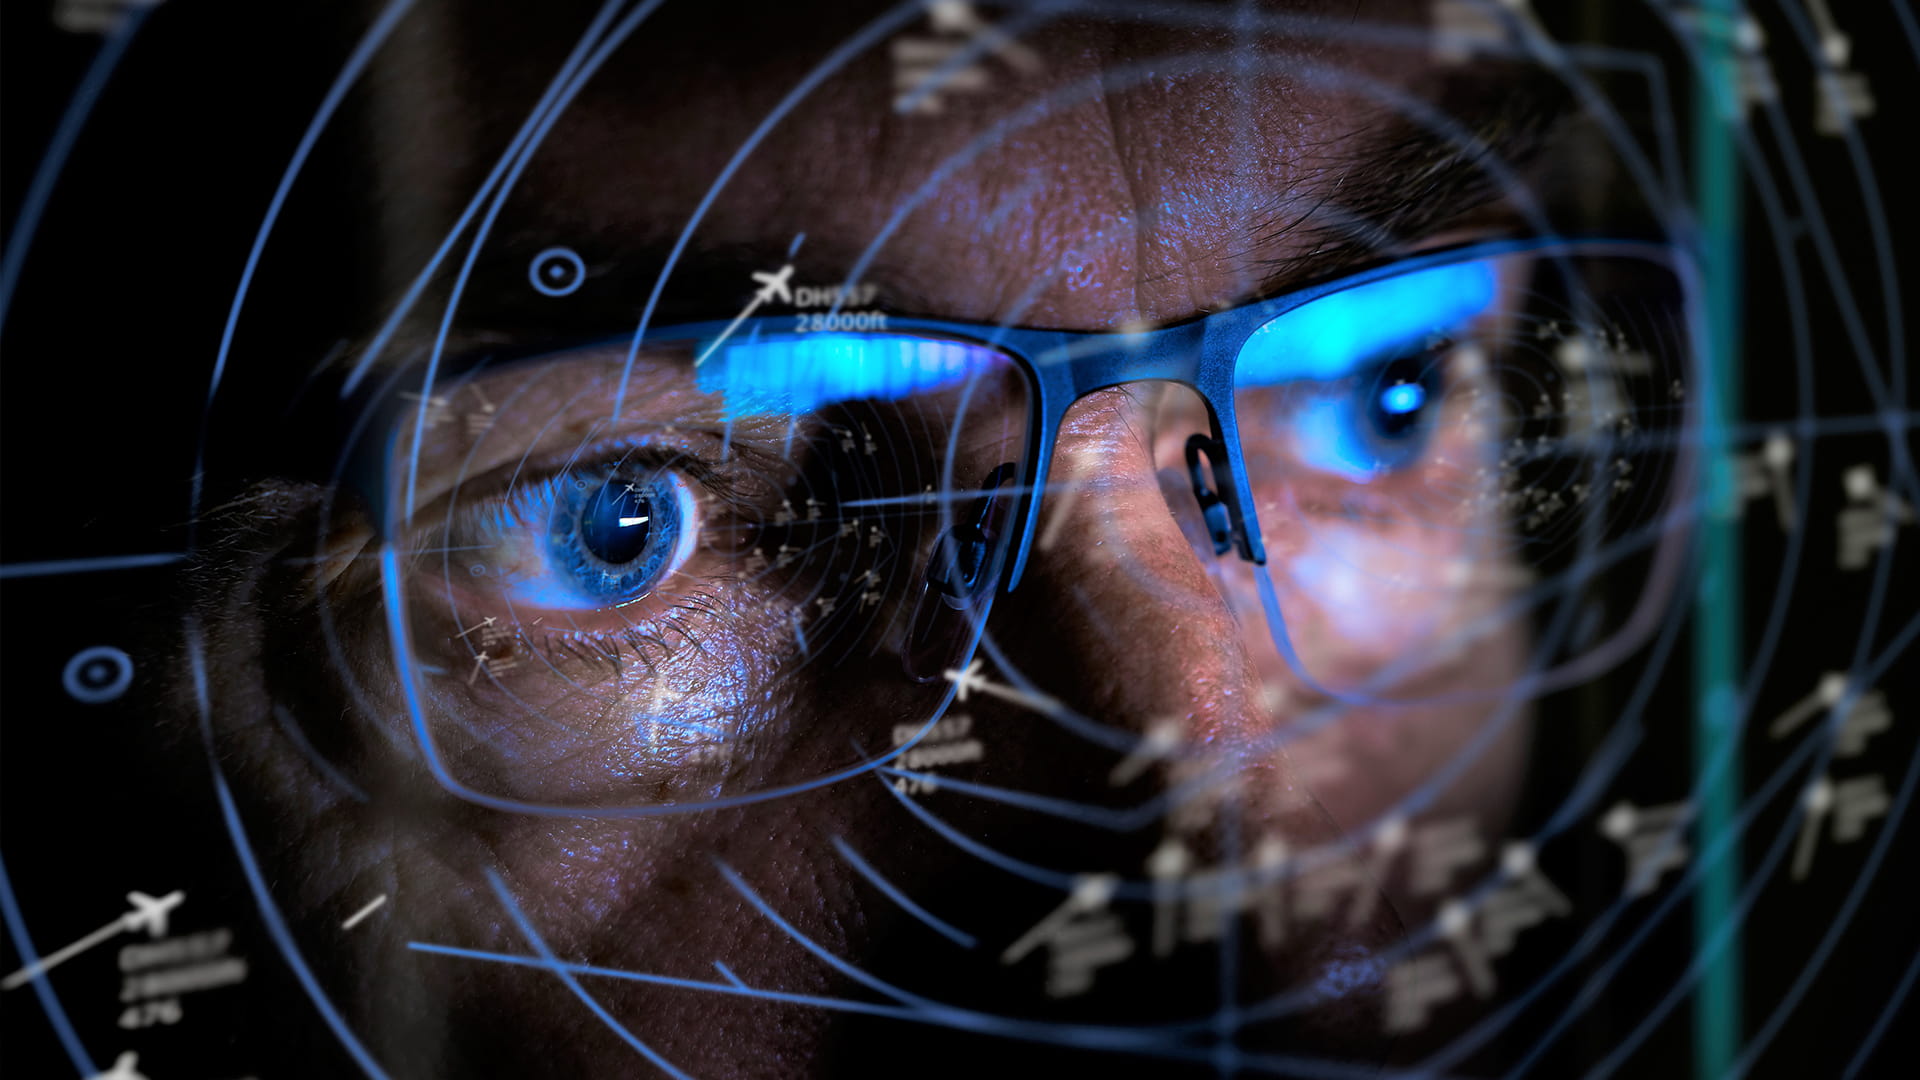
column 1329, row 337
column 801, row 372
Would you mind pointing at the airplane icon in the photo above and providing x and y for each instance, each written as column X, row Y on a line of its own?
column 123, row 1069
column 150, row 913
column 774, row 285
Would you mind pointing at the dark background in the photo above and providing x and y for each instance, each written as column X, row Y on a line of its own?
column 104, row 367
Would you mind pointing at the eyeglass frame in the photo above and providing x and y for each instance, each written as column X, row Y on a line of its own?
column 1061, row 367
column 1201, row 353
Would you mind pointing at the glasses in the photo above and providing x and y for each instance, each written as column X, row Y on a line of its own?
column 616, row 576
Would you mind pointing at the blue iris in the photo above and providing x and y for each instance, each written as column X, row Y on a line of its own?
column 1375, row 423
column 609, row 539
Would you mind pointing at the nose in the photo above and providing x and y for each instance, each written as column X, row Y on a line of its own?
column 1126, row 616
column 1118, row 611
column 1123, row 618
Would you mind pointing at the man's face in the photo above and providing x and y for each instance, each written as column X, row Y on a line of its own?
column 1113, row 174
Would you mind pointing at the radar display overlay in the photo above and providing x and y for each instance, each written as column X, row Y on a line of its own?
column 1094, row 538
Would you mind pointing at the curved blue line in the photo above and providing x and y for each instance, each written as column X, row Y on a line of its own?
column 1112, row 1039
column 945, row 929
column 277, row 928
column 327, row 770
column 49, row 1002
column 1039, row 875
column 269, row 912
column 1842, row 918
column 404, row 671
column 879, row 28
column 877, row 985
column 1712, row 854
column 1894, row 1002
column 349, row 74
column 552, row 963
column 540, row 109
column 1099, row 817
column 736, row 989
column 64, row 136
column 1807, row 428
column 605, row 49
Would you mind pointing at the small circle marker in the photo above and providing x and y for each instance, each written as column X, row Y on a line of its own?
column 98, row 675
column 557, row 271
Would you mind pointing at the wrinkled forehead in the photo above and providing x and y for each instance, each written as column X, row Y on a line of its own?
column 1075, row 166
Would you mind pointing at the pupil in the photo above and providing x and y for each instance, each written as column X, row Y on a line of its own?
column 1404, row 398
column 616, row 523
column 1398, row 399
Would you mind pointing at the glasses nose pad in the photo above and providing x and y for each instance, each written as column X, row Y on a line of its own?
column 963, row 567
column 1213, row 508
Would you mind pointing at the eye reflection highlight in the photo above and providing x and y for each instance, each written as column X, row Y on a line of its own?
column 590, row 539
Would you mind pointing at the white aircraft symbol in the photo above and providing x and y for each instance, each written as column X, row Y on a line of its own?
column 150, row 913
column 123, row 1069
column 972, row 680
column 774, row 285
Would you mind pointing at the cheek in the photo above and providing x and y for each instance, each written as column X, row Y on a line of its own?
column 1399, row 569
column 1460, row 759
column 1411, row 593
column 1370, row 592
column 575, row 727
column 1410, row 580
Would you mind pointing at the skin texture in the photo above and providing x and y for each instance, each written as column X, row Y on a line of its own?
column 1141, row 199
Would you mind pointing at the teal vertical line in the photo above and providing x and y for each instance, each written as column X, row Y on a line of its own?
column 1717, row 643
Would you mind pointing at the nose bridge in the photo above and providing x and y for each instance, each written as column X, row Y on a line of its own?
column 1070, row 367
column 1130, row 615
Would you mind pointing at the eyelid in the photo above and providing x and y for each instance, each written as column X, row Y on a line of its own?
column 492, row 489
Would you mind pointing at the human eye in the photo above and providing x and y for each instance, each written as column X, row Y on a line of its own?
column 611, row 581
column 1421, row 447
column 1373, row 423
column 1365, row 384
column 593, row 536
column 555, row 545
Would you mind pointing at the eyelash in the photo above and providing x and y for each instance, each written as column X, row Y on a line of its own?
column 647, row 646
column 522, row 513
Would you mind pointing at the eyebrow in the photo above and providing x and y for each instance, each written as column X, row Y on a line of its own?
column 1405, row 182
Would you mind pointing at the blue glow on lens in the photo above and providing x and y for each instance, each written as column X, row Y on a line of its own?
column 1329, row 337
column 1405, row 398
column 588, row 551
column 802, row 372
